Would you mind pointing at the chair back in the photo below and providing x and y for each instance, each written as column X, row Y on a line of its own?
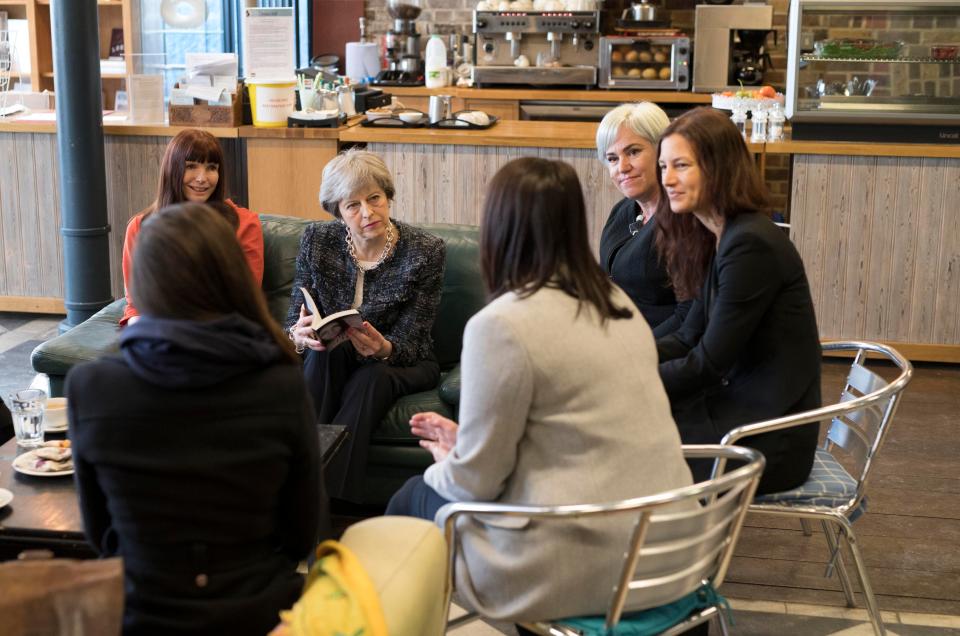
column 681, row 538
column 860, row 420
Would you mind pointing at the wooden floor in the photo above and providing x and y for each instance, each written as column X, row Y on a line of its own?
column 910, row 537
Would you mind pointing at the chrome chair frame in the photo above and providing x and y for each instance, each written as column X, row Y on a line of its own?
column 859, row 425
column 726, row 497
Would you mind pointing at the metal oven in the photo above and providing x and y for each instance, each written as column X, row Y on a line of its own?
column 647, row 62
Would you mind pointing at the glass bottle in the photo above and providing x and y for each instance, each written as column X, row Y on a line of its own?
column 775, row 124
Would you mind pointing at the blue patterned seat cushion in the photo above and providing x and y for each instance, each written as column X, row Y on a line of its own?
column 829, row 485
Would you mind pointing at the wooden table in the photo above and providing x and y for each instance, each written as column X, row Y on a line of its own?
column 44, row 513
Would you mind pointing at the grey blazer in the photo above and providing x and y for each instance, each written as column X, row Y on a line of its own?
column 555, row 409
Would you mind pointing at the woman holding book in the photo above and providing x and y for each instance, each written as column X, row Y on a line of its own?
column 749, row 349
column 553, row 421
column 196, row 449
column 193, row 169
column 627, row 144
column 389, row 271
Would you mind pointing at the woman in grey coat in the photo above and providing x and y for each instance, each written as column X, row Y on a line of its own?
column 561, row 403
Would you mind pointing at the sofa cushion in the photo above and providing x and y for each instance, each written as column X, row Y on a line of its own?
column 463, row 293
column 91, row 339
column 281, row 243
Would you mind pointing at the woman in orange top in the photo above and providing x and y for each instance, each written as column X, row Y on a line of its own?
column 191, row 171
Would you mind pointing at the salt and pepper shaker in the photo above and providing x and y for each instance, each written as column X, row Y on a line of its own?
column 775, row 124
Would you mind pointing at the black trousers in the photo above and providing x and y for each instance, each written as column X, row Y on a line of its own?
column 358, row 393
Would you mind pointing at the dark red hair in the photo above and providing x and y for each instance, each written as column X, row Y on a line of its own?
column 190, row 144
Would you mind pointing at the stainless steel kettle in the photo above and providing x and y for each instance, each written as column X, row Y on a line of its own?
column 642, row 11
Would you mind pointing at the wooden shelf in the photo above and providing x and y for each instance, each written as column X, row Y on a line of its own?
column 13, row 3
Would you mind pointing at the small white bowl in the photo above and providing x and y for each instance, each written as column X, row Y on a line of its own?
column 411, row 117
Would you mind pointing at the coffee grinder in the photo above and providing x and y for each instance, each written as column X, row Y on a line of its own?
column 402, row 44
column 730, row 45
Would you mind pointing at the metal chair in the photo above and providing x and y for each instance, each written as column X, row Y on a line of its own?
column 670, row 554
column 834, row 492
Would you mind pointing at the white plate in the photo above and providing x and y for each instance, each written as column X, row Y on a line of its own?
column 22, row 465
column 5, row 497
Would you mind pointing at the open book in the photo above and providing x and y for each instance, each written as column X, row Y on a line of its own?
column 332, row 330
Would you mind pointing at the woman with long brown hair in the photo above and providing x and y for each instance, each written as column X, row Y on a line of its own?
column 196, row 450
column 749, row 348
column 560, row 404
column 193, row 170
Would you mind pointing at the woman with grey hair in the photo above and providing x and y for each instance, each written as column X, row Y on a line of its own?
column 392, row 273
column 627, row 143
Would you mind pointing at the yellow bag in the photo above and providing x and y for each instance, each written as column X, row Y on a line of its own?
column 339, row 598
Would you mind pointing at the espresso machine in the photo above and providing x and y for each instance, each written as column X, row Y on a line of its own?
column 402, row 45
column 536, row 47
column 730, row 46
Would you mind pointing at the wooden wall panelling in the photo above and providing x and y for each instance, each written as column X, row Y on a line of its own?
column 447, row 183
column 27, row 220
column 946, row 327
column 284, row 175
column 836, row 228
column 903, row 252
column 805, row 228
column 884, row 213
column 858, row 256
column 9, row 211
column 48, row 207
column 930, row 208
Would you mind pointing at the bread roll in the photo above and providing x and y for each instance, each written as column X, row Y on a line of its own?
column 649, row 73
column 631, row 56
column 618, row 71
column 645, row 56
column 634, row 72
column 616, row 56
column 659, row 57
column 665, row 73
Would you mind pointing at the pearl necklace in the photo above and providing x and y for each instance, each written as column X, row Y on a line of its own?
column 352, row 249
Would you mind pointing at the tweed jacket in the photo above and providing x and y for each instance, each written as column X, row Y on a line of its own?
column 400, row 297
column 556, row 408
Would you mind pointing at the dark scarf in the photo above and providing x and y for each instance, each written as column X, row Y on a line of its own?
column 181, row 353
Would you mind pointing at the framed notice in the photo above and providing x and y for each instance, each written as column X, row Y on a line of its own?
column 268, row 43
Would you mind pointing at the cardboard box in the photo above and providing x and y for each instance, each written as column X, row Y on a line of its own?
column 204, row 114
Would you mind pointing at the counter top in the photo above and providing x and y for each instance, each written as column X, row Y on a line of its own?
column 543, row 134
column 37, row 122
column 862, row 149
column 252, row 132
column 554, row 94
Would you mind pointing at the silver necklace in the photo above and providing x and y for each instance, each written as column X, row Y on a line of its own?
column 352, row 249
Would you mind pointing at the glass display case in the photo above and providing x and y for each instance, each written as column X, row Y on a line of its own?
column 874, row 71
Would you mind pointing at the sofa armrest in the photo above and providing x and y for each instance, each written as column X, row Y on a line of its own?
column 91, row 339
column 450, row 387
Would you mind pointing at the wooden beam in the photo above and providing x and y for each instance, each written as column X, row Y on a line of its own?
column 32, row 304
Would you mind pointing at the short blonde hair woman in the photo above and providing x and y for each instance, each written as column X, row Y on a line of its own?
column 627, row 144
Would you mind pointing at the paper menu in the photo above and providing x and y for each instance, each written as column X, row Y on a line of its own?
column 146, row 98
column 268, row 43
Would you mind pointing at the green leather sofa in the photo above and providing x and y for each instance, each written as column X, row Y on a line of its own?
column 394, row 454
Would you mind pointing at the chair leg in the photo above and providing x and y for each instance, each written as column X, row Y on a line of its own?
column 805, row 526
column 872, row 609
column 836, row 561
column 722, row 622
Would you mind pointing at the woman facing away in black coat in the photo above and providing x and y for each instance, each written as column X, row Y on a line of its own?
column 195, row 449
column 749, row 349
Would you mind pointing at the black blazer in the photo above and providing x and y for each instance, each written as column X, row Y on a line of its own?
column 749, row 350
column 633, row 263
column 211, row 494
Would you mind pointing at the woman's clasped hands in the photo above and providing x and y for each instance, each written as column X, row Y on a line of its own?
column 439, row 433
